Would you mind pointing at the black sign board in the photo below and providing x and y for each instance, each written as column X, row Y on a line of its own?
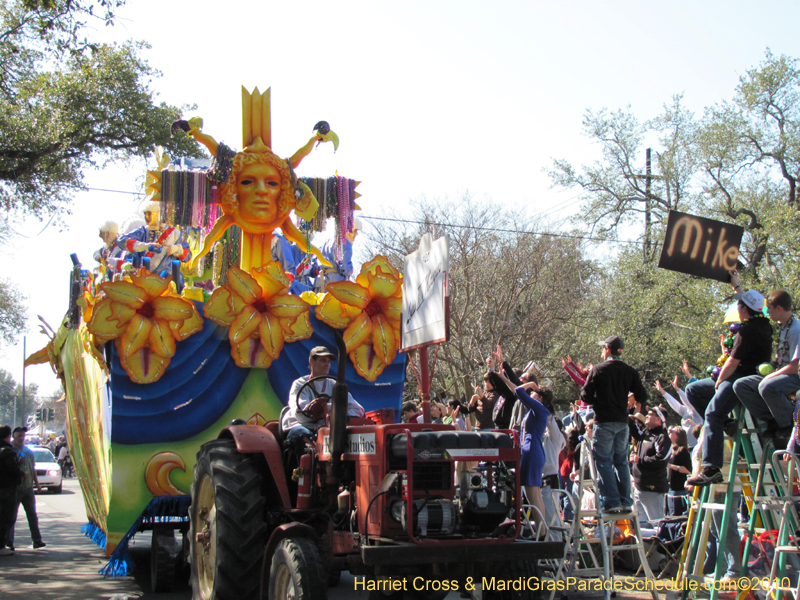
column 700, row 246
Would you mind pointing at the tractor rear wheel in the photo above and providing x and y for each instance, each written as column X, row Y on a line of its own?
column 297, row 571
column 228, row 527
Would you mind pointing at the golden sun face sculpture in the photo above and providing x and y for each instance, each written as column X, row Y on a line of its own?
column 261, row 189
column 261, row 314
column 369, row 311
column 146, row 320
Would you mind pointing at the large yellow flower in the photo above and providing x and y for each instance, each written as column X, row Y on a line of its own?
column 146, row 320
column 369, row 312
column 260, row 312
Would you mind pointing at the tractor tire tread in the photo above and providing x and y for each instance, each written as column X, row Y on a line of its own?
column 240, row 519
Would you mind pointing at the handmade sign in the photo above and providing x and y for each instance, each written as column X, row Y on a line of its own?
column 700, row 246
column 425, row 297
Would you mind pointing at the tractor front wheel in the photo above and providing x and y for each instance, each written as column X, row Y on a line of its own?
column 228, row 527
column 297, row 572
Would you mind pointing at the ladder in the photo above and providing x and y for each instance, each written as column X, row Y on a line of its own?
column 762, row 482
column 788, row 545
column 580, row 555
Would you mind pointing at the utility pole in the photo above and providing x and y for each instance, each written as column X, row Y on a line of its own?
column 647, row 180
column 23, row 377
column 648, row 207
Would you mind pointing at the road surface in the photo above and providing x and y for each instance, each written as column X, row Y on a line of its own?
column 67, row 568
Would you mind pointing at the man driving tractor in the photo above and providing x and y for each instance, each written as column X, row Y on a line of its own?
column 307, row 412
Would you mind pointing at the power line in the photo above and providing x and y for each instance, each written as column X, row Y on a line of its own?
column 495, row 229
column 81, row 188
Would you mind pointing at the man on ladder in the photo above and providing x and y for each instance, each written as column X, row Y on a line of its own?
column 607, row 388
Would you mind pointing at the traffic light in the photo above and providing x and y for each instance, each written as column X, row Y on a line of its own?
column 39, row 414
column 50, row 414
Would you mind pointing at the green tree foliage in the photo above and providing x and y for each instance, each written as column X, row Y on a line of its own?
column 67, row 103
column 510, row 283
column 739, row 163
column 11, row 396
column 13, row 313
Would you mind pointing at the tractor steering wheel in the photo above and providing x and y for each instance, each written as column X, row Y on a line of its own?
column 317, row 408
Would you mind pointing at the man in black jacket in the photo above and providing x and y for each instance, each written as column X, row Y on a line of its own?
column 10, row 478
column 650, row 465
column 606, row 389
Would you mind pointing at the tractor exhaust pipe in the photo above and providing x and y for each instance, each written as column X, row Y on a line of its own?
column 339, row 407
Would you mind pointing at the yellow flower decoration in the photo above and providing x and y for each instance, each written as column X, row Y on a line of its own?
column 146, row 320
column 260, row 312
column 369, row 311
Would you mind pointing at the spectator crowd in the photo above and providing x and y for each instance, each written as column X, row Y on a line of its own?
column 643, row 464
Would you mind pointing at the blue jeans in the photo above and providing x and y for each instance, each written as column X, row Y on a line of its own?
column 767, row 398
column 296, row 436
column 716, row 406
column 610, row 453
column 28, row 501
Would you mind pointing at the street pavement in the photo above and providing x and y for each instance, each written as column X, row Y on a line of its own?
column 67, row 568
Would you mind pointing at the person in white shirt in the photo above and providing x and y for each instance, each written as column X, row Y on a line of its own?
column 688, row 413
column 306, row 412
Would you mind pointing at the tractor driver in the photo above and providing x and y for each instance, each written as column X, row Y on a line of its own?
column 306, row 414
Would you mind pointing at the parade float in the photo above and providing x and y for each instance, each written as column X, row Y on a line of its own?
column 189, row 324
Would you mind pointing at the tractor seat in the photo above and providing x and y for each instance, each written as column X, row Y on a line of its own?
column 444, row 440
column 281, row 431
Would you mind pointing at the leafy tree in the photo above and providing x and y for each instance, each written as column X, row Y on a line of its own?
column 510, row 283
column 11, row 396
column 739, row 163
column 662, row 316
column 749, row 149
column 67, row 103
column 616, row 189
column 13, row 312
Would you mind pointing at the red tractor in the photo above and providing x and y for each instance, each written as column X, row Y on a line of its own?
column 385, row 501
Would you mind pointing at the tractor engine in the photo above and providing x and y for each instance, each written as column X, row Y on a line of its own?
column 415, row 481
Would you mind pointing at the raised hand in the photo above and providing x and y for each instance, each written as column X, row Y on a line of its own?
column 685, row 368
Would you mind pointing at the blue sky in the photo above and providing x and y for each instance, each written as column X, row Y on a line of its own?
column 428, row 98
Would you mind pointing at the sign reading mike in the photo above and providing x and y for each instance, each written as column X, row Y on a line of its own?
column 700, row 246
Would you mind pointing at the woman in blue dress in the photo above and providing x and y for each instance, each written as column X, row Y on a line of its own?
column 532, row 457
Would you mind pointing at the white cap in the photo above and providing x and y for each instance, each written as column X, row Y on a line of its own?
column 752, row 299
column 659, row 414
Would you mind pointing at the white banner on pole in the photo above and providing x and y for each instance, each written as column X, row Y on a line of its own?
column 426, row 313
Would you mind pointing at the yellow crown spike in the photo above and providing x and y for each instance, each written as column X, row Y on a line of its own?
column 266, row 118
column 246, row 118
column 255, row 111
column 256, row 117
